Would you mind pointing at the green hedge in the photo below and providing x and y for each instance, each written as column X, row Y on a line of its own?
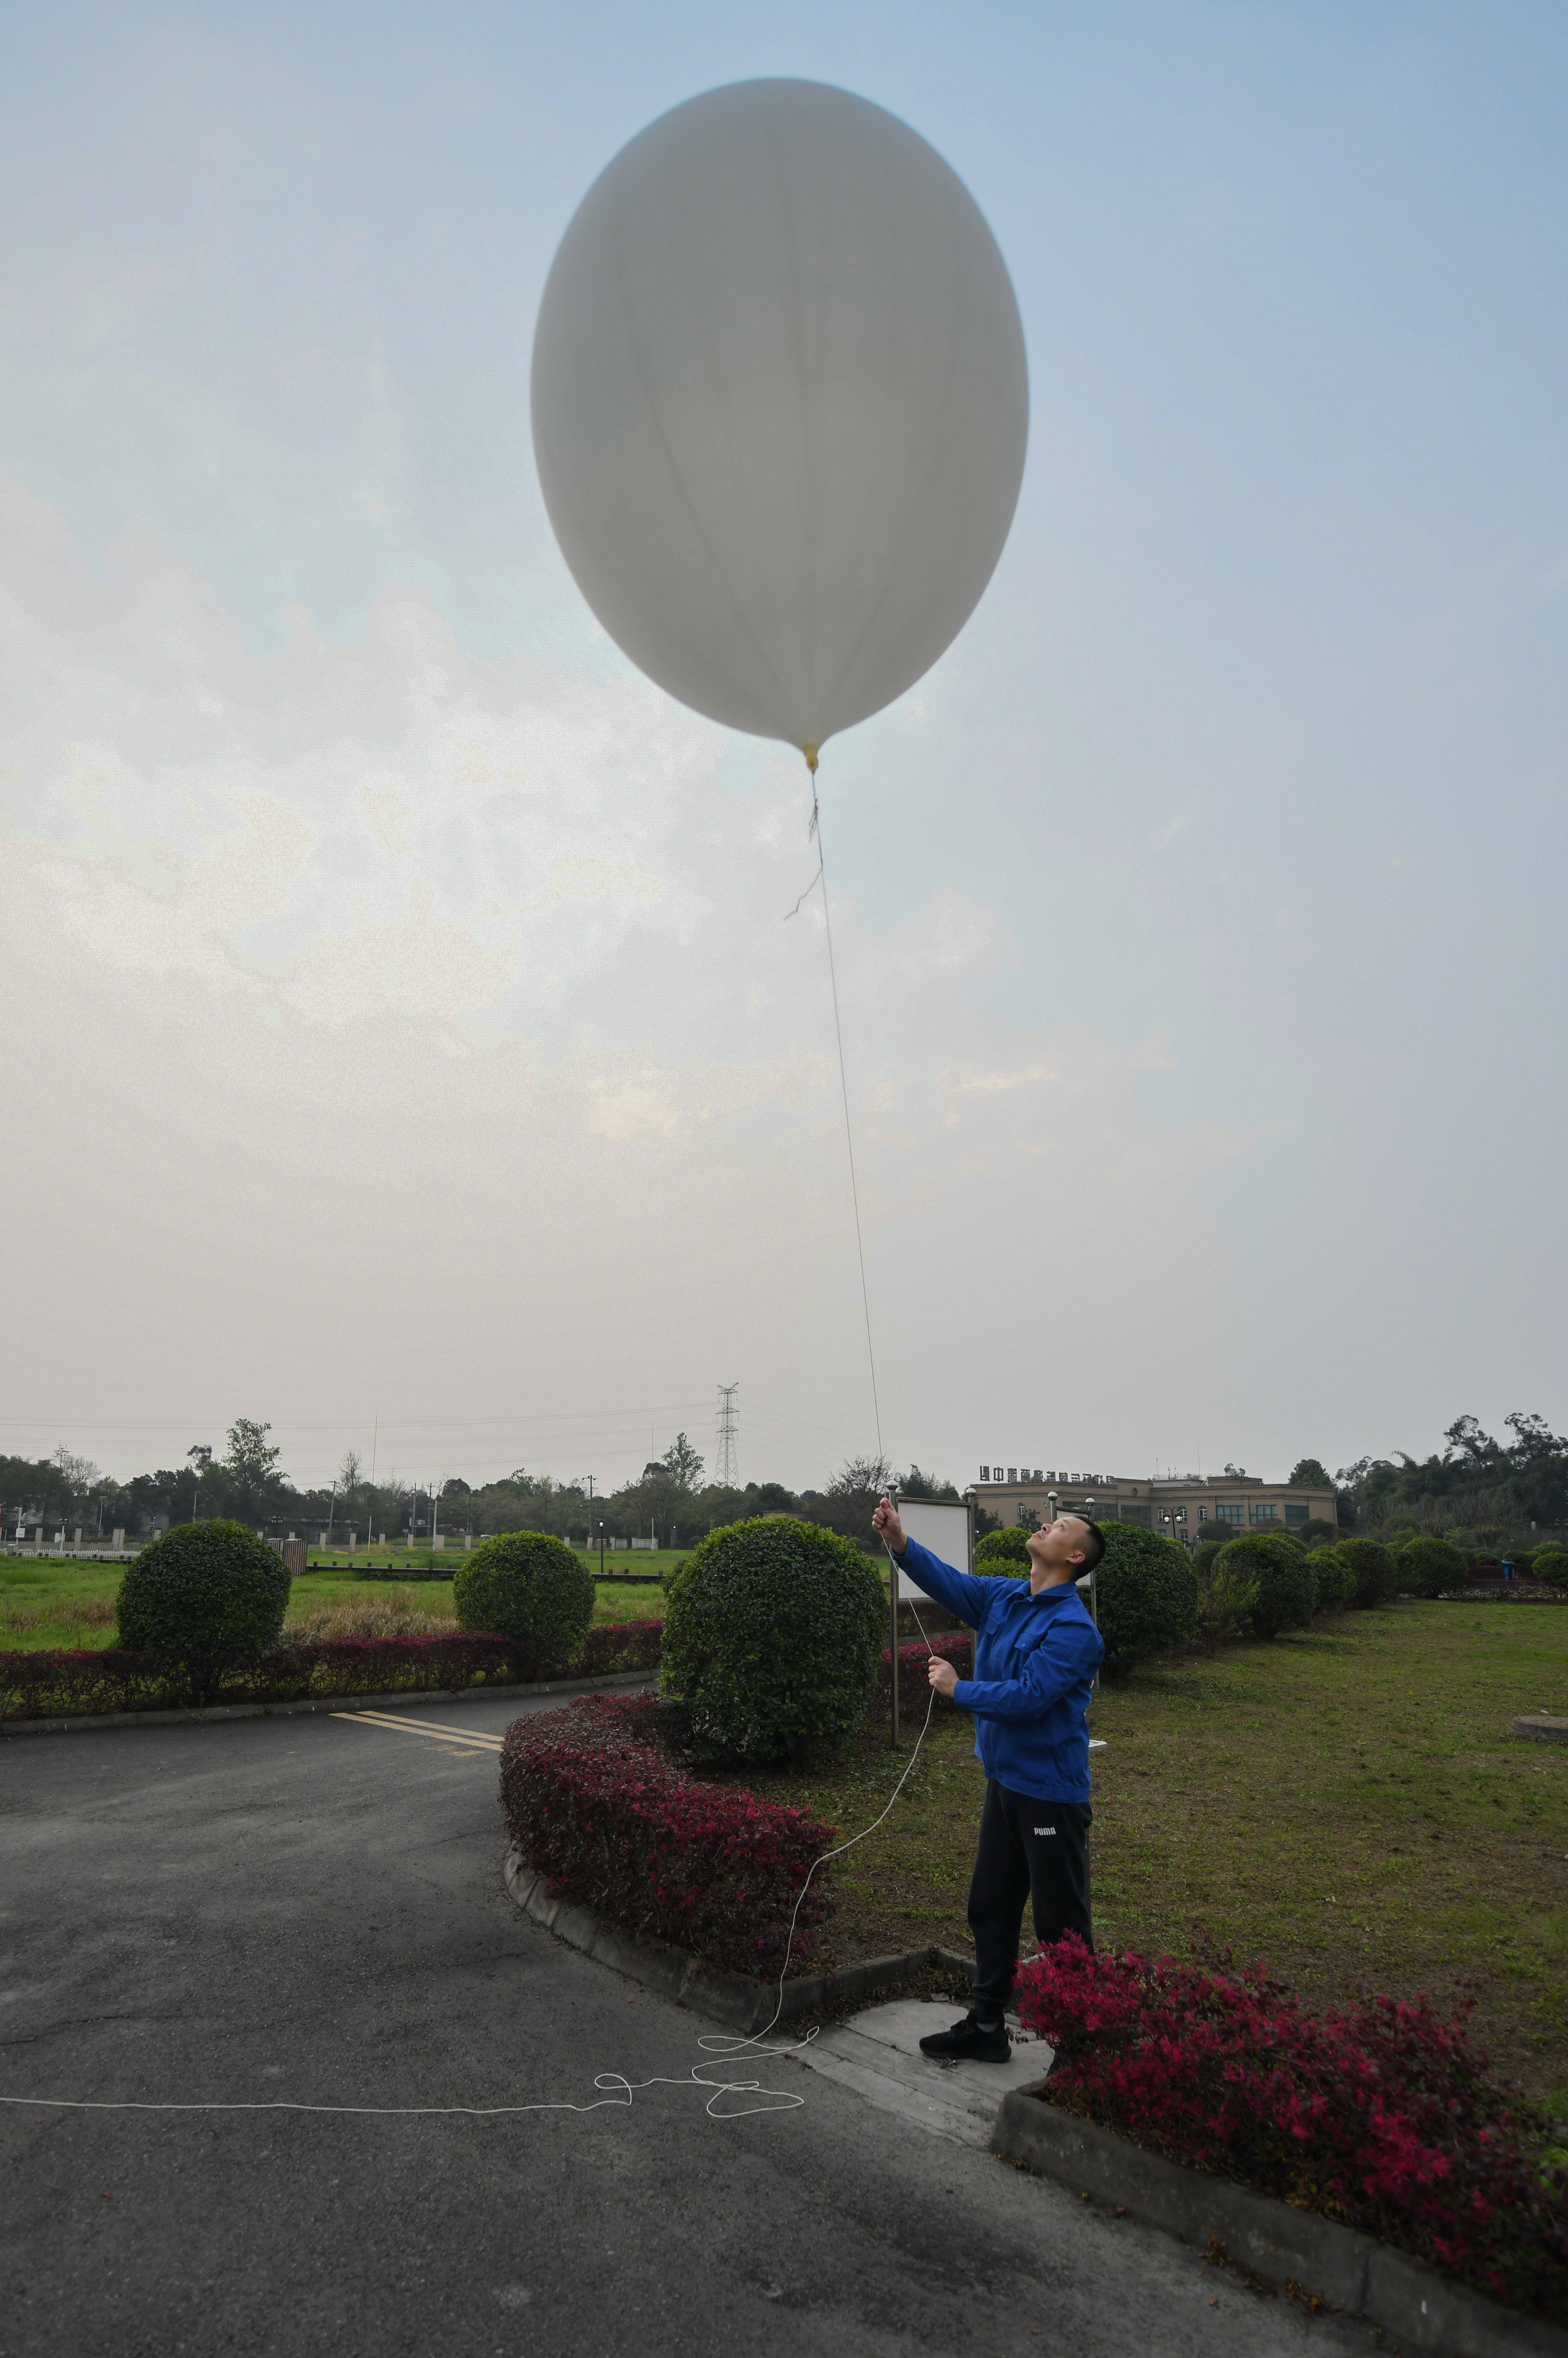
column 1426, row 1567
column 1376, row 1574
column 1284, row 1575
column 528, row 1586
column 1226, row 1599
column 1333, row 1578
column 1147, row 1594
column 211, row 1592
column 1003, row 1553
column 772, row 1631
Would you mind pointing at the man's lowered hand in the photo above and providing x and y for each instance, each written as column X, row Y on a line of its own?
column 942, row 1675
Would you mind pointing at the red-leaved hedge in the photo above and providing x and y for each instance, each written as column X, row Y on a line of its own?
column 1383, row 2117
column 596, row 1804
column 44, row 1683
column 955, row 1646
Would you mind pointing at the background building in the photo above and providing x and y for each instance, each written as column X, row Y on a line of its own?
column 1189, row 1507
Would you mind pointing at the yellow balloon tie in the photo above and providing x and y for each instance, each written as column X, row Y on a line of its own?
column 810, row 751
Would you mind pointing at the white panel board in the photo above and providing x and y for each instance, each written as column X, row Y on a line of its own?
column 945, row 1526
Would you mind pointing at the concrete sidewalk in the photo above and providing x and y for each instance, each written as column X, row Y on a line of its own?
column 878, row 2054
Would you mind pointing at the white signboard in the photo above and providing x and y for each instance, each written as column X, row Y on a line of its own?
column 946, row 1527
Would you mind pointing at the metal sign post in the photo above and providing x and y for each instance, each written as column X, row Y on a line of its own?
column 946, row 1526
column 892, row 1639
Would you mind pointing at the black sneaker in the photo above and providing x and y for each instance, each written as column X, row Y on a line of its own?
column 968, row 2043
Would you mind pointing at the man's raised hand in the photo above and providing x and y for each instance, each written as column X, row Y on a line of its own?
column 887, row 1527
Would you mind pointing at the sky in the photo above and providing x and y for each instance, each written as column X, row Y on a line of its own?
column 404, row 1041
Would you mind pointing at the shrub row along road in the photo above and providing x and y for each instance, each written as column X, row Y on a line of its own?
column 312, row 1908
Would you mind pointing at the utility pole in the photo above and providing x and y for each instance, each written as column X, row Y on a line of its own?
column 726, row 1472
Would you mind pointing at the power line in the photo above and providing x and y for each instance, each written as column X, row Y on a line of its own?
column 345, row 1424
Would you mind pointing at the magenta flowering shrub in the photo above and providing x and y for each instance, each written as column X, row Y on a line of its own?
column 596, row 1803
column 1383, row 2117
column 72, row 1683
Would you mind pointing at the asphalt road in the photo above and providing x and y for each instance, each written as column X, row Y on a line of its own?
column 312, row 1908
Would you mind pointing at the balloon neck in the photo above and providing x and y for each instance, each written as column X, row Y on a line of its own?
column 810, row 751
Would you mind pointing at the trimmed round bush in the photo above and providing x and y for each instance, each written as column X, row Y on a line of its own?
column 1286, row 1576
column 1225, row 1606
column 1203, row 1554
column 1551, row 1565
column 529, row 1587
column 1003, row 1551
column 1426, row 1567
column 204, row 1591
column 772, row 1635
column 1334, row 1581
column 1377, row 1576
column 1147, row 1592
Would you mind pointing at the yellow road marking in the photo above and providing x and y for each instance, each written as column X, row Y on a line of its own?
column 435, row 1726
column 474, row 1737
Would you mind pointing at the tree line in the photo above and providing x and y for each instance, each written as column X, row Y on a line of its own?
column 1477, row 1491
column 669, row 1501
column 1480, row 1493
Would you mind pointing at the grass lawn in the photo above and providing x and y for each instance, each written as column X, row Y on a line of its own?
column 422, row 1560
column 60, row 1602
column 1345, row 1804
column 319, row 1591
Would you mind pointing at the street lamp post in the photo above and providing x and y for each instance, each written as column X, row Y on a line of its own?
column 591, row 1479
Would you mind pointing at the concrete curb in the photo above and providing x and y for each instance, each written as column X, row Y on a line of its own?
column 402, row 1698
column 733, row 1999
column 1428, row 2310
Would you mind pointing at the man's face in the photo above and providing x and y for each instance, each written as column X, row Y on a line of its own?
column 1060, row 1544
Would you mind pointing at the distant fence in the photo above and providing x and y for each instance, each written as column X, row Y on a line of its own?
column 427, row 1571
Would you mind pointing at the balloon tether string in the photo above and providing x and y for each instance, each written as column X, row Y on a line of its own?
column 815, row 830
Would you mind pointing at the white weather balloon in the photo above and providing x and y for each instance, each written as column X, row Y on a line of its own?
column 780, row 405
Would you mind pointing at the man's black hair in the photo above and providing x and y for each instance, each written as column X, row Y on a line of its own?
column 1096, row 1548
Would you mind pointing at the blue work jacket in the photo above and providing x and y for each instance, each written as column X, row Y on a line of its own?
column 1035, row 1658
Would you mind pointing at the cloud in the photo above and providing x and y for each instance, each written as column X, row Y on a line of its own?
column 387, row 1000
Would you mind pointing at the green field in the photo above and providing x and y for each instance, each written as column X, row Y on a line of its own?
column 434, row 1559
column 60, row 1602
column 1346, row 1804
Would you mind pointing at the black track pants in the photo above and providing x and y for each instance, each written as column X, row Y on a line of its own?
column 1028, row 1849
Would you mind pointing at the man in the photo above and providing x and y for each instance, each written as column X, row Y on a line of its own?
column 1036, row 1652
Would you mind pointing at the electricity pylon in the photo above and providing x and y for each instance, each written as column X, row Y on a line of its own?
column 726, row 1472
